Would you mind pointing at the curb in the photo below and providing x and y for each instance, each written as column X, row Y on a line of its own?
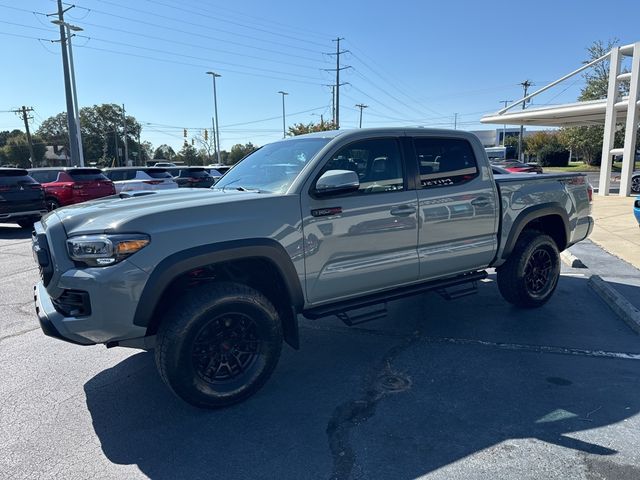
column 620, row 305
column 571, row 260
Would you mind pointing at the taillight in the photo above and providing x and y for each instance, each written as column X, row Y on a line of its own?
column 5, row 188
column 152, row 182
column 590, row 192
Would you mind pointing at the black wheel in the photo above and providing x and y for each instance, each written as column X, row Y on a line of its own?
column 530, row 275
column 26, row 224
column 52, row 204
column 635, row 184
column 219, row 344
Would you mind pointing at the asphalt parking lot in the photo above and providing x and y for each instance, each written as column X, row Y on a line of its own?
column 472, row 388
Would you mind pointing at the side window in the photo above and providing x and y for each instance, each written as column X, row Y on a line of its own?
column 445, row 161
column 377, row 162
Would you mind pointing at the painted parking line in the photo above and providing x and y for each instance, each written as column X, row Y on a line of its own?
column 521, row 347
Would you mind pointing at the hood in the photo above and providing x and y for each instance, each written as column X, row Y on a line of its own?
column 148, row 210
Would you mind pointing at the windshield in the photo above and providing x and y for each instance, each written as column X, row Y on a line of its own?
column 273, row 167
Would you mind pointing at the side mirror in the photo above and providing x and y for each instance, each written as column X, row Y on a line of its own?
column 334, row 182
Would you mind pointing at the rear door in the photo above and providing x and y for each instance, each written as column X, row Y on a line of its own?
column 158, row 179
column 19, row 193
column 458, row 207
column 90, row 183
column 363, row 241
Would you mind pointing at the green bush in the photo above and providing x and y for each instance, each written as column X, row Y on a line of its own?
column 553, row 156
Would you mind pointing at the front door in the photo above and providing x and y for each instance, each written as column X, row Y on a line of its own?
column 366, row 240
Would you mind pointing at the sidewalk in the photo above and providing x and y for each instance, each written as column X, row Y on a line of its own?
column 616, row 229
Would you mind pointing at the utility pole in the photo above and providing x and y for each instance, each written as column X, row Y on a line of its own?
column 126, row 146
column 455, row 121
column 26, row 119
column 361, row 106
column 338, row 84
column 71, row 124
column 504, row 127
column 284, row 130
column 526, row 84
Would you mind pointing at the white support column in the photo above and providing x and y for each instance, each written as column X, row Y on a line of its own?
column 629, row 149
column 609, row 122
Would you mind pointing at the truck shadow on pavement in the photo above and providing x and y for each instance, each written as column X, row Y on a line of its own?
column 392, row 401
column 10, row 232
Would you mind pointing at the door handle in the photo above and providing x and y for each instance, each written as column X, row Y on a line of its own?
column 480, row 202
column 403, row 210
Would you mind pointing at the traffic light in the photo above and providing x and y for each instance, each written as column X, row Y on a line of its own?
column 192, row 141
column 206, row 135
column 185, row 133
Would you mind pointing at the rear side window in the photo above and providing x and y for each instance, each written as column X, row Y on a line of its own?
column 158, row 174
column 45, row 176
column 15, row 177
column 194, row 173
column 86, row 175
column 445, row 161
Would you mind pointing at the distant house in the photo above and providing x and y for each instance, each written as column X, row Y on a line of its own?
column 56, row 156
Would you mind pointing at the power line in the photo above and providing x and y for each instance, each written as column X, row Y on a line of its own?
column 193, row 24
column 233, row 22
column 183, row 55
column 187, row 44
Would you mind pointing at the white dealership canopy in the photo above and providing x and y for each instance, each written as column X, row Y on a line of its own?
column 607, row 112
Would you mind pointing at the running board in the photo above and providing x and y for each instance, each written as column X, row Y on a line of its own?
column 342, row 309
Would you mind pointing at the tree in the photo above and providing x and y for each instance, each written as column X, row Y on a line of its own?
column 206, row 150
column 101, row 128
column 302, row 128
column 188, row 154
column 239, row 151
column 16, row 150
column 6, row 134
column 586, row 142
column 164, row 152
column 54, row 130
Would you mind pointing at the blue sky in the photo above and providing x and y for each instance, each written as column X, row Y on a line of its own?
column 413, row 62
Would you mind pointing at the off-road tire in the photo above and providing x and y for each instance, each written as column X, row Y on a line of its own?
column 521, row 280
column 202, row 329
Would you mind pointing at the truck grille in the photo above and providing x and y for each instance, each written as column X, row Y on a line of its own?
column 73, row 303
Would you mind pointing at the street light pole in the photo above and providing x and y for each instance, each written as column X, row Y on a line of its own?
column 215, row 110
column 284, row 131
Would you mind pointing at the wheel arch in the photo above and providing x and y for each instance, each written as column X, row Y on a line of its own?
column 549, row 218
column 268, row 258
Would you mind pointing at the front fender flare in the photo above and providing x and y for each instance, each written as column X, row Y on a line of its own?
column 186, row 260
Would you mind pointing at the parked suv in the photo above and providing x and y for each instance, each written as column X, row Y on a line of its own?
column 21, row 197
column 67, row 186
column 127, row 179
column 193, row 177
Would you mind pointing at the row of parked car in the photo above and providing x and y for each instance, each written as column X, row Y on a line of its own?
column 25, row 195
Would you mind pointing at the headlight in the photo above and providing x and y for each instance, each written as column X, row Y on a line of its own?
column 103, row 250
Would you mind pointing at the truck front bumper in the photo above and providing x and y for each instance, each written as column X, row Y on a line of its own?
column 51, row 320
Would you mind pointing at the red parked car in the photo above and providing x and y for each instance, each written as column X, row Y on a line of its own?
column 514, row 166
column 66, row 186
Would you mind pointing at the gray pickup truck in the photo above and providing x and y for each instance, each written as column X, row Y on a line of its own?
column 334, row 223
